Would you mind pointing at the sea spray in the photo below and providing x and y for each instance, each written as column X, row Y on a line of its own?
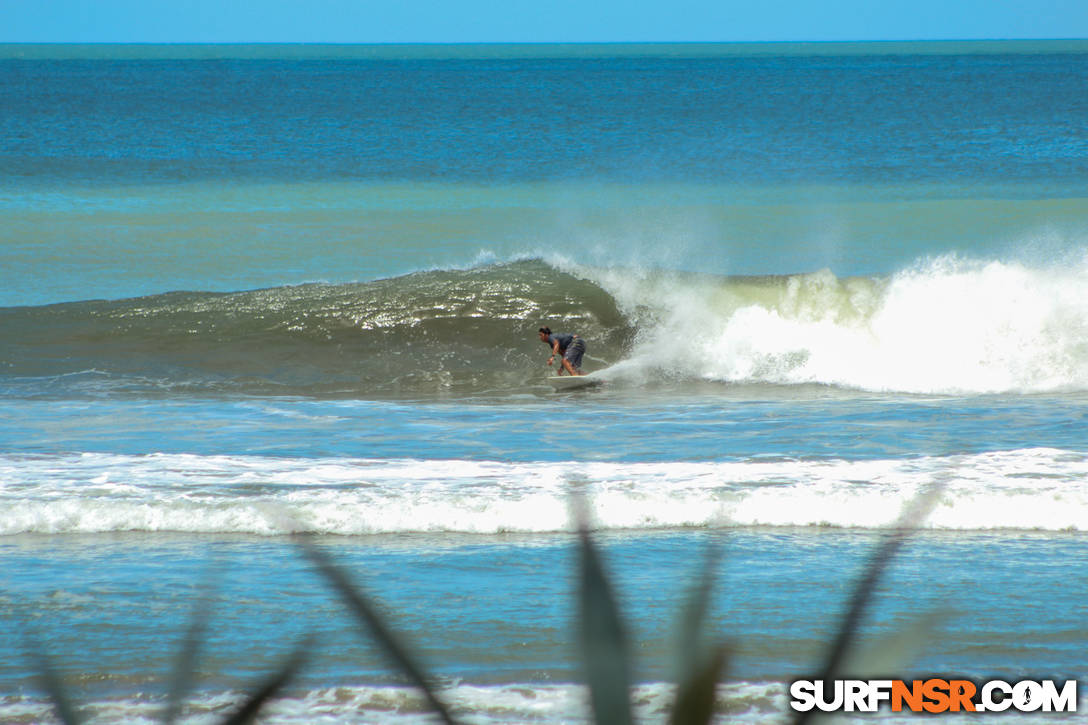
column 943, row 326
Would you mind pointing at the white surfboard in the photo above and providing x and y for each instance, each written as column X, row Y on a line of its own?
column 572, row 382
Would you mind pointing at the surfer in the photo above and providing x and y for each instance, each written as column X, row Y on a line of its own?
column 570, row 347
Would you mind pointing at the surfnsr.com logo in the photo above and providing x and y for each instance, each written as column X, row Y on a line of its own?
column 934, row 695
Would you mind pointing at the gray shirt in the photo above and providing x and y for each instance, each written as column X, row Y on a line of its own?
column 564, row 339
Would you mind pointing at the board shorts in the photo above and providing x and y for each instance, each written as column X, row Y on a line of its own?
column 574, row 352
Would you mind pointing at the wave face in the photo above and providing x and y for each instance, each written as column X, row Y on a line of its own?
column 1029, row 489
column 944, row 326
column 436, row 331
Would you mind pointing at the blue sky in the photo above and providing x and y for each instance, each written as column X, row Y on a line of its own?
column 456, row 21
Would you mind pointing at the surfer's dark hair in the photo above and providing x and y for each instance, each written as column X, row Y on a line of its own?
column 545, row 330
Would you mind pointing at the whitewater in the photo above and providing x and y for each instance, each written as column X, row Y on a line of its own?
column 945, row 326
column 1029, row 490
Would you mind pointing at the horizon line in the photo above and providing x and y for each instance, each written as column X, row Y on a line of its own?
column 322, row 50
column 545, row 42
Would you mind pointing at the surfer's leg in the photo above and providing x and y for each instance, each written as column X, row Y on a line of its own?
column 572, row 359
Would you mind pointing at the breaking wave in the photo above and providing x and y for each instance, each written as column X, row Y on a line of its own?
column 944, row 326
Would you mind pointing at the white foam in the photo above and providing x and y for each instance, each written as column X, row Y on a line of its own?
column 514, row 703
column 1041, row 488
column 520, row 702
column 947, row 325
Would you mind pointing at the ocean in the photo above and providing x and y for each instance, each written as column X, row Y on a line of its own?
column 249, row 293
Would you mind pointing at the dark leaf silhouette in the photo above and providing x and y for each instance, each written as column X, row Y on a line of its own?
column 603, row 640
column 365, row 612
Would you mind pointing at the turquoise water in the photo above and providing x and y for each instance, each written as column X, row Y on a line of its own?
column 250, row 292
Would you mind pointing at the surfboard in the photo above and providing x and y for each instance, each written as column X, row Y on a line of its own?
column 573, row 382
